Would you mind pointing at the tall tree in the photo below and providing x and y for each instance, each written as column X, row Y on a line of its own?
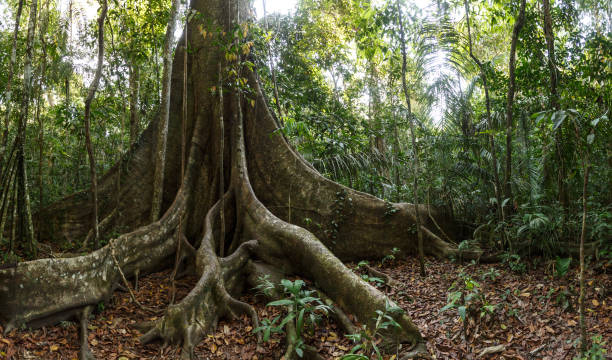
column 518, row 25
column 91, row 93
column 26, row 229
column 415, row 149
column 563, row 191
column 9, row 83
column 492, row 149
column 43, row 72
column 162, row 129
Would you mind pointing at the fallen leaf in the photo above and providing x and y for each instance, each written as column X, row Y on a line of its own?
column 492, row 350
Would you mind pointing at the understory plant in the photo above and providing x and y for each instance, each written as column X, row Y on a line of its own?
column 470, row 302
column 366, row 340
column 302, row 308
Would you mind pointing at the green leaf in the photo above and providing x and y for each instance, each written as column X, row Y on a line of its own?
column 287, row 318
column 300, row 323
column 266, row 336
column 562, row 266
column 590, row 138
column 299, row 352
column 558, row 117
column 282, row 302
column 461, row 310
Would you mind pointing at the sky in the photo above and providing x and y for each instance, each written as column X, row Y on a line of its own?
column 275, row 6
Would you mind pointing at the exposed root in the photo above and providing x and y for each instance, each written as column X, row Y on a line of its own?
column 389, row 281
column 237, row 307
column 85, row 353
column 417, row 352
column 308, row 256
column 188, row 321
column 339, row 315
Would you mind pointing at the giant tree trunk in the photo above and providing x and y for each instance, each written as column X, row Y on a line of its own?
column 296, row 229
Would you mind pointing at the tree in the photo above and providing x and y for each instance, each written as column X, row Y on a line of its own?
column 9, row 82
column 492, row 150
column 26, row 230
column 415, row 149
column 93, row 87
column 518, row 25
column 554, row 101
column 269, row 227
column 162, row 131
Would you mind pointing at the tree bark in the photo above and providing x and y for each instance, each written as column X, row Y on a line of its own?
column 26, row 230
column 41, row 132
column 93, row 87
column 518, row 25
column 306, row 237
column 162, row 131
column 134, row 98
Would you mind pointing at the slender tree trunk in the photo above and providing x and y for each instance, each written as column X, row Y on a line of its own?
column 93, row 87
column 563, row 195
column 584, row 154
column 492, row 149
column 9, row 81
column 221, row 167
column 134, row 98
column 26, row 229
column 162, row 130
column 279, row 108
column 8, row 181
column 415, row 149
column 585, row 181
column 43, row 72
column 518, row 25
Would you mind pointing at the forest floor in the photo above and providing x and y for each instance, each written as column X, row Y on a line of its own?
column 529, row 315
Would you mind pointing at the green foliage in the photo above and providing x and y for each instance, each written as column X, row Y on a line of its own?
column 562, row 266
column 514, row 262
column 366, row 340
column 373, row 279
column 492, row 274
column 302, row 307
column 390, row 258
column 468, row 299
column 597, row 351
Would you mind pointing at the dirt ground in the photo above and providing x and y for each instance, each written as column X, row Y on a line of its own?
column 529, row 315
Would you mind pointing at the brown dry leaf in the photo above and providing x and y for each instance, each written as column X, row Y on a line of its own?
column 54, row 348
column 595, row 302
column 571, row 322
